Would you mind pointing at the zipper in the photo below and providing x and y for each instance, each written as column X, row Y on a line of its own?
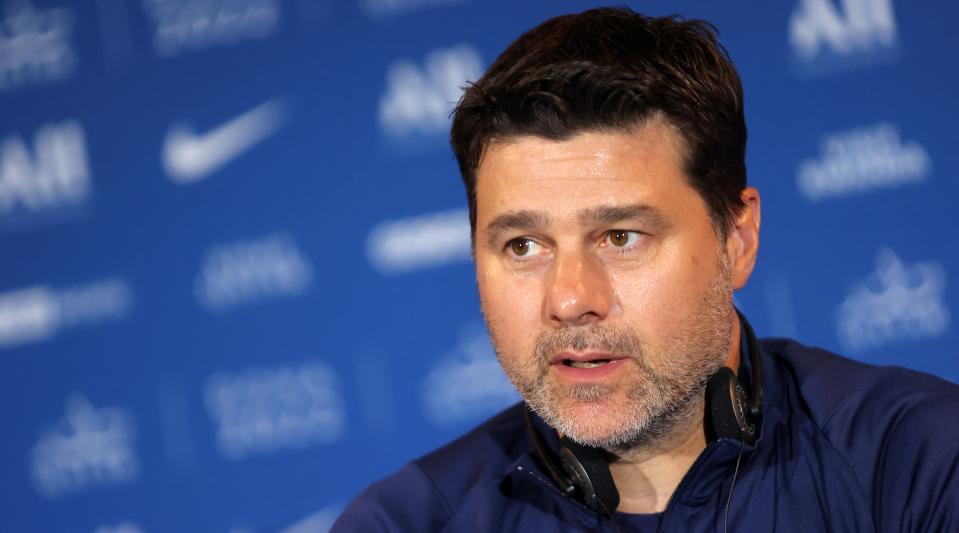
column 694, row 469
column 550, row 486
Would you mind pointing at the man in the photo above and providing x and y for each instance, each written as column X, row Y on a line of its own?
column 603, row 156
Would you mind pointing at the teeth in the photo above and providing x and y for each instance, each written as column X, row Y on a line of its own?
column 586, row 364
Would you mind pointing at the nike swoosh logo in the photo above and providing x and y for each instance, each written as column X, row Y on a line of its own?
column 189, row 157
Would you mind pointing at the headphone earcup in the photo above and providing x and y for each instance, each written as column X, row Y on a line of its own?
column 588, row 471
column 726, row 408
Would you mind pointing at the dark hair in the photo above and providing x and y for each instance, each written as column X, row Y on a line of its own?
column 612, row 69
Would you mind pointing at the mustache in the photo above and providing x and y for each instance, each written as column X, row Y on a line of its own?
column 594, row 338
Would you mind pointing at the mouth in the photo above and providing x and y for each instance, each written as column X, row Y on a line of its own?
column 585, row 364
column 585, row 360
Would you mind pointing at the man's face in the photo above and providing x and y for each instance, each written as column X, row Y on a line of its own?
column 605, row 289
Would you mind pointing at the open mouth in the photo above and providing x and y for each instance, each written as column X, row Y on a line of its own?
column 585, row 364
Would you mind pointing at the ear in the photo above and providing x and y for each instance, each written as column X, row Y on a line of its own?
column 742, row 244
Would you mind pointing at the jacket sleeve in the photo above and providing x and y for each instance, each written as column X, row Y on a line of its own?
column 405, row 501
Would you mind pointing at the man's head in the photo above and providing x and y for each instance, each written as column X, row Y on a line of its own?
column 603, row 158
column 609, row 70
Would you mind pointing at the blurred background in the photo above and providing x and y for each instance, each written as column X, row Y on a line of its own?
column 235, row 284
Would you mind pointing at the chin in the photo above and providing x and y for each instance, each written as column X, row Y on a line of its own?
column 602, row 424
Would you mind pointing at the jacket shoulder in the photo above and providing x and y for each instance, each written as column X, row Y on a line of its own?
column 824, row 379
column 423, row 494
column 487, row 451
column 403, row 501
column 834, row 387
column 895, row 428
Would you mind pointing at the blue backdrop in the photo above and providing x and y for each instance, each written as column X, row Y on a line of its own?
column 235, row 284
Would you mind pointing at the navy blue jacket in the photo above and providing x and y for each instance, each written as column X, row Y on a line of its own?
column 843, row 446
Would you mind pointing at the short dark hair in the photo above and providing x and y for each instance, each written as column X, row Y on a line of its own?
column 611, row 69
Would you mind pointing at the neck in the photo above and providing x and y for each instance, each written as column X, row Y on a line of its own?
column 647, row 475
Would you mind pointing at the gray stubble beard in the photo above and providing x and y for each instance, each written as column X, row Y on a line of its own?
column 660, row 401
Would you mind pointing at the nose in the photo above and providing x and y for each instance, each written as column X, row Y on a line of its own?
column 578, row 292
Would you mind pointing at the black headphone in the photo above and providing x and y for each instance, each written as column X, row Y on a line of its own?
column 582, row 472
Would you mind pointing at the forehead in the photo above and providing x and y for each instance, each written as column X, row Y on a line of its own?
column 561, row 178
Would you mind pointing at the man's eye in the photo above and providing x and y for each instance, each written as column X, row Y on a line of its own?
column 524, row 247
column 622, row 238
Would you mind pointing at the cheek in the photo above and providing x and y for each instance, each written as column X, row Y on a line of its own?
column 511, row 306
column 657, row 300
column 641, row 295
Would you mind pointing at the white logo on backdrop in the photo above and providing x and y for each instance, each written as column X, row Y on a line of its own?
column 54, row 176
column 245, row 272
column 184, row 25
column 87, row 448
column 423, row 241
column 862, row 26
column 262, row 410
column 318, row 522
column 38, row 313
column 419, row 99
column 189, row 157
column 122, row 527
column 468, row 383
column 385, row 8
column 862, row 160
column 35, row 45
column 896, row 302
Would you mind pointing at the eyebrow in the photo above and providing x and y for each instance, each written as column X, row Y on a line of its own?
column 610, row 214
column 595, row 216
column 514, row 220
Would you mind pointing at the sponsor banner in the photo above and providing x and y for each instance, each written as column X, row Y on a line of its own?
column 190, row 186
column 89, row 447
column 382, row 9
column 897, row 302
column 46, row 180
column 468, row 383
column 420, row 96
column 828, row 36
column 190, row 157
column 38, row 313
column 320, row 521
column 419, row 242
column 242, row 273
column 263, row 410
column 36, row 45
column 861, row 160
column 186, row 25
column 121, row 527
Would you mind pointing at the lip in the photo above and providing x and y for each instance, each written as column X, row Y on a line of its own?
column 583, row 375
